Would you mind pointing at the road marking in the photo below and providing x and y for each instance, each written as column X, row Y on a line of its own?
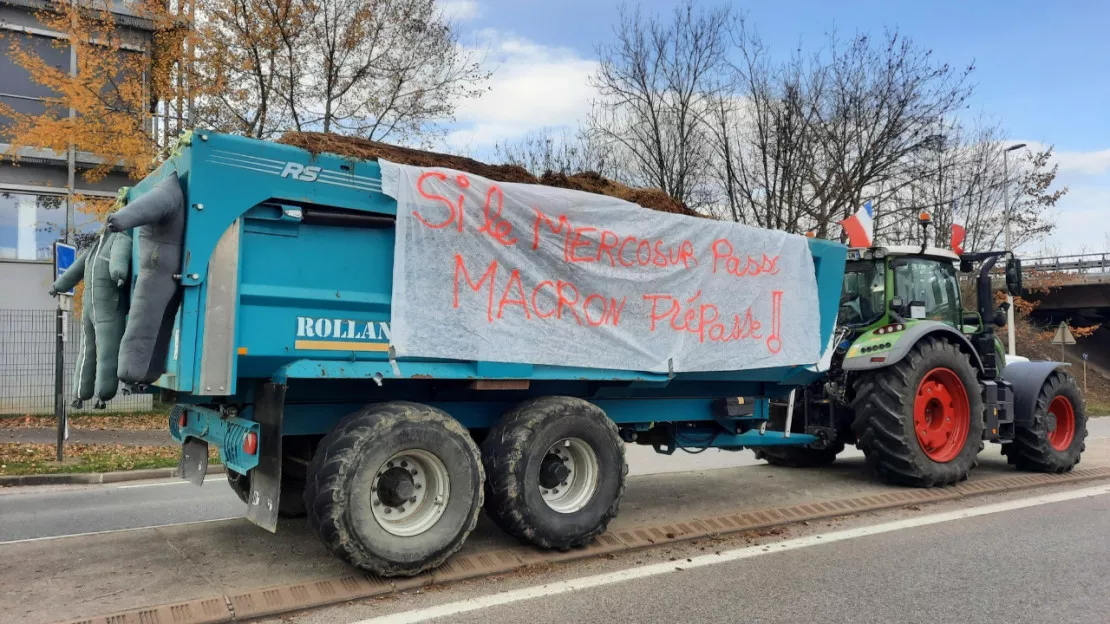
column 144, row 485
column 156, row 526
column 631, row 574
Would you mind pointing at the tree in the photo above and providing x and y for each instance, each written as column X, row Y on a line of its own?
column 105, row 106
column 967, row 173
column 245, row 55
column 654, row 84
column 380, row 69
column 801, row 144
column 562, row 152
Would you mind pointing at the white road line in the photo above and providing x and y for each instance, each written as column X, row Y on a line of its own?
column 145, row 485
column 631, row 574
column 142, row 528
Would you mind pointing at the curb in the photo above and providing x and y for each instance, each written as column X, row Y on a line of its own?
column 89, row 478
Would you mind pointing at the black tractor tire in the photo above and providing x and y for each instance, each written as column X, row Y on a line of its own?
column 291, row 503
column 514, row 453
column 799, row 456
column 1032, row 448
column 343, row 487
column 883, row 405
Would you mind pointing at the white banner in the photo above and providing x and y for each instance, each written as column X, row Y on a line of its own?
column 502, row 272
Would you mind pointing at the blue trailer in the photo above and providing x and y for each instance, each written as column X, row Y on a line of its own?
column 261, row 307
column 390, row 458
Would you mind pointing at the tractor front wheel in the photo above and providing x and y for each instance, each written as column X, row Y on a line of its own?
column 920, row 421
column 1055, row 438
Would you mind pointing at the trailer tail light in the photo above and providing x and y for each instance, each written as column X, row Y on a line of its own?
column 250, row 443
column 183, row 419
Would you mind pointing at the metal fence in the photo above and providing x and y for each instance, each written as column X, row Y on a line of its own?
column 27, row 365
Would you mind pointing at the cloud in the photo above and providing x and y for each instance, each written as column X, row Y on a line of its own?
column 460, row 10
column 1086, row 163
column 1081, row 224
column 533, row 86
column 1092, row 163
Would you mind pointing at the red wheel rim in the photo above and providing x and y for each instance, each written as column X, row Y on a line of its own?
column 1062, row 431
column 941, row 415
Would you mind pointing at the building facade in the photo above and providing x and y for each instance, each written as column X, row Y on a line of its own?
column 39, row 204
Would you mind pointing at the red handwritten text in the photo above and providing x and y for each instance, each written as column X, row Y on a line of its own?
column 741, row 267
column 704, row 320
column 589, row 244
column 550, row 298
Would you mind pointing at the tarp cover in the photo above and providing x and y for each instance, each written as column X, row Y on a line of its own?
column 506, row 272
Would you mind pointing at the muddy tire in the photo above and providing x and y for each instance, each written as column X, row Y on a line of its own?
column 799, row 457
column 1057, row 436
column 291, row 503
column 556, row 472
column 395, row 488
column 919, row 422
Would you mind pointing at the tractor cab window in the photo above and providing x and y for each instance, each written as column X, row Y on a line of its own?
column 862, row 294
column 928, row 288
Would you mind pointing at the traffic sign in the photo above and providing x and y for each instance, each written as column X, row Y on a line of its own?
column 1084, row 356
column 64, row 257
column 1063, row 335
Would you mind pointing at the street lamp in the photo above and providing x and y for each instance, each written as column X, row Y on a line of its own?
column 1010, row 347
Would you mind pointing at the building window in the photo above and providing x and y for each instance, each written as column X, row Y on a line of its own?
column 29, row 225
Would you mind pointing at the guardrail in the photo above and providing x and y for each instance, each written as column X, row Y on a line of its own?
column 1075, row 263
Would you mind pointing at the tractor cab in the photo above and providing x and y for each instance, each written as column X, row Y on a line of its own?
column 884, row 285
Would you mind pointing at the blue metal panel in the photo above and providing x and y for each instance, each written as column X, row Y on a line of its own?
column 292, row 268
column 748, row 439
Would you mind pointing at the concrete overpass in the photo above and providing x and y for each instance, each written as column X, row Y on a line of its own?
column 1085, row 291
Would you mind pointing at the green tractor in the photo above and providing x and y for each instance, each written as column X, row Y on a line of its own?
column 918, row 383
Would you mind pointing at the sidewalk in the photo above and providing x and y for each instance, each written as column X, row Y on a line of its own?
column 88, row 436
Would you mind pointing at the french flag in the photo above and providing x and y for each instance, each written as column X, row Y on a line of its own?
column 959, row 232
column 859, row 227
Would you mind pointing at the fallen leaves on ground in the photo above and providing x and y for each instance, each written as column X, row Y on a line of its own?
column 22, row 459
column 115, row 422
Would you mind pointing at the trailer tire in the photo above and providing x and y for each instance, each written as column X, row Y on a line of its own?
column 366, row 507
column 544, row 445
column 291, row 503
column 919, row 422
column 1057, row 436
column 799, row 456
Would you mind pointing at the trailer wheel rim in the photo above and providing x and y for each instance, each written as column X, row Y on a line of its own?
column 569, row 475
column 941, row 415
column 410, row 492
column 1061, row 425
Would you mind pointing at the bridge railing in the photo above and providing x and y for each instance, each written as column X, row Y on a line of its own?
column 1074, row 263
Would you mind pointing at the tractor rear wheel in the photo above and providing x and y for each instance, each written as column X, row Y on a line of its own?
column 799, row 457
column 920, row 421
column 1054, row 440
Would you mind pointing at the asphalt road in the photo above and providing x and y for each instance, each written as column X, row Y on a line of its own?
column 1049, row 563
column 38, row 512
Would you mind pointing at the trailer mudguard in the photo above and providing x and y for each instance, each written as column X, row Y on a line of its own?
column 905, row 340
column 1027, row 378
column 160, row 217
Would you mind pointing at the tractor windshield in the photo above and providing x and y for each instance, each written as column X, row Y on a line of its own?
column 929, row 288
column 862, row 295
